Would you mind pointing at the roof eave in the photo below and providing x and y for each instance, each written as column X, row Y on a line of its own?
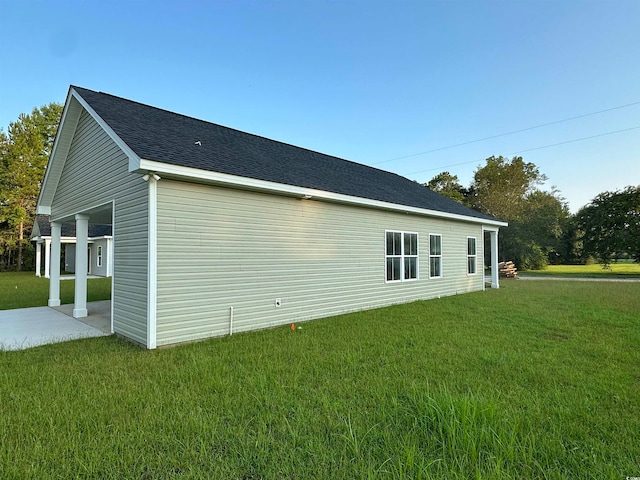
column 236, row 181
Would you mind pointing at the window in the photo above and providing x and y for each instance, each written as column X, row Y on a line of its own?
column 435, row 256
column 99, row 260
column 471, row 255
column 401, row 256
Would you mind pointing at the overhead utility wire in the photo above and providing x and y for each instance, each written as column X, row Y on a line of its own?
column 530, row 149
column 508, row 133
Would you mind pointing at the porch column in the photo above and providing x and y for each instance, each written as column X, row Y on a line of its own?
column 47, row 257
column 38, row 257
column 53, row 267
column 495, row 283
column 80, row 296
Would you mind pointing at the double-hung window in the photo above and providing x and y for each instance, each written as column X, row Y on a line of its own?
column 435, row 255
column 99, row 261
column 401, row 256
column 471, row 255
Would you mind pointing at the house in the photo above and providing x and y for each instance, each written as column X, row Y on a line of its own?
column 99, row 251
column 217, row 231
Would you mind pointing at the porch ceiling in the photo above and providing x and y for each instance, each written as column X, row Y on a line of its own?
column 99, row 215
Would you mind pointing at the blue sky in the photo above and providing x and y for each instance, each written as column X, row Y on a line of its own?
column 369, row 81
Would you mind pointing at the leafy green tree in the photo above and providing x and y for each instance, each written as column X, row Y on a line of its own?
column 448, row 185
column 610, row 225
column 509, row 190
column 500, row 188
column 24, row 153
column 535, row 238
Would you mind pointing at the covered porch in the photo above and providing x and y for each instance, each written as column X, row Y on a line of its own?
column 101, row 215
column 493, row 279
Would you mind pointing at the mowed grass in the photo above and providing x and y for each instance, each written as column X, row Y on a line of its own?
column 24, row 289
column 621, row 269
column 535, row 380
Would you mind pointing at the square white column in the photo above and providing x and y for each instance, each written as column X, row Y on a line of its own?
column 82, row 244
column 495, row 282
column 38, row 257
column 52, row 266
column 47, row 258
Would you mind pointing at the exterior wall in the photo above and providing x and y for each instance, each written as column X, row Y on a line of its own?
column 220, row 248
column 96, row 269
column 96, row 173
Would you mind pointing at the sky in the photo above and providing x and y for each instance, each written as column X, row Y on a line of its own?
column 398, row 85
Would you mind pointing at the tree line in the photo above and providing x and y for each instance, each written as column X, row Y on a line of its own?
column 541, row 229
column 24, row 153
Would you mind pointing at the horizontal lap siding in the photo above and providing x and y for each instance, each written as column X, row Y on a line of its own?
column 221, row 248
column 96, row 172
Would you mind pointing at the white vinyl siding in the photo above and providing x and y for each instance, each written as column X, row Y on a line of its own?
column 220, row 248
column 401, row 255
column 472, row 257
column 95, row 173
column 435, row 256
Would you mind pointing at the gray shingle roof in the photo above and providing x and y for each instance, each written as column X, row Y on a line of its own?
column 163, row 136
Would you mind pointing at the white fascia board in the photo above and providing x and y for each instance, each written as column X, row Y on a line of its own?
column 189, row 173
column 134, row 160
column 41, row 207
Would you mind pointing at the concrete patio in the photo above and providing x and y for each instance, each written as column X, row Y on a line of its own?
column 30, row 327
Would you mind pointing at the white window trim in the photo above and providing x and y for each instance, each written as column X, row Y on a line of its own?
column 436, row 256
column 99, row 256
column 402, row 257
column 474, row 256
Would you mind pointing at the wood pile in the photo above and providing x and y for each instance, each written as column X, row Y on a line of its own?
column 507, row 270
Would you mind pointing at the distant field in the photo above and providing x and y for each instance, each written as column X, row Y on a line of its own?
column 24, row 289
column 626, row 269
column 536, row 380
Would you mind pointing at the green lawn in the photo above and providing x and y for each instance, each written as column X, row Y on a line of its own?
column 535, row 380
column 24, row 289
column 618, row 270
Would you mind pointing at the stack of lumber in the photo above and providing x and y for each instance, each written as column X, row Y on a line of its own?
column 507, row 270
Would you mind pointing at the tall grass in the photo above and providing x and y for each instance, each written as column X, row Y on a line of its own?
column 535, row 380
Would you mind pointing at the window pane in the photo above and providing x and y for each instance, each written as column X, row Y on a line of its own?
column 436, row 264
column 410, row 244
column 472, row 265
column 389, row 243
column 435, row 242
column 393, row 269
column 471, row 246
column 410, row 268
column 397, row 243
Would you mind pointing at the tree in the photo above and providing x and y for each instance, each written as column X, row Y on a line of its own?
column 24, row 152
column 610, row 225
column 448, row 185
column 537, row 236
column 509, row 190
column 500, row 188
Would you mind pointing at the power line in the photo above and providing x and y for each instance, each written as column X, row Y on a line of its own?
column 507, row 133
column 530, row 149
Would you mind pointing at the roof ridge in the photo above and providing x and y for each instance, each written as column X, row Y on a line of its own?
column 164, row 136
column 262, row 137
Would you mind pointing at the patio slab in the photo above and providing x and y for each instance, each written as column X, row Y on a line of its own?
column 30, row 327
